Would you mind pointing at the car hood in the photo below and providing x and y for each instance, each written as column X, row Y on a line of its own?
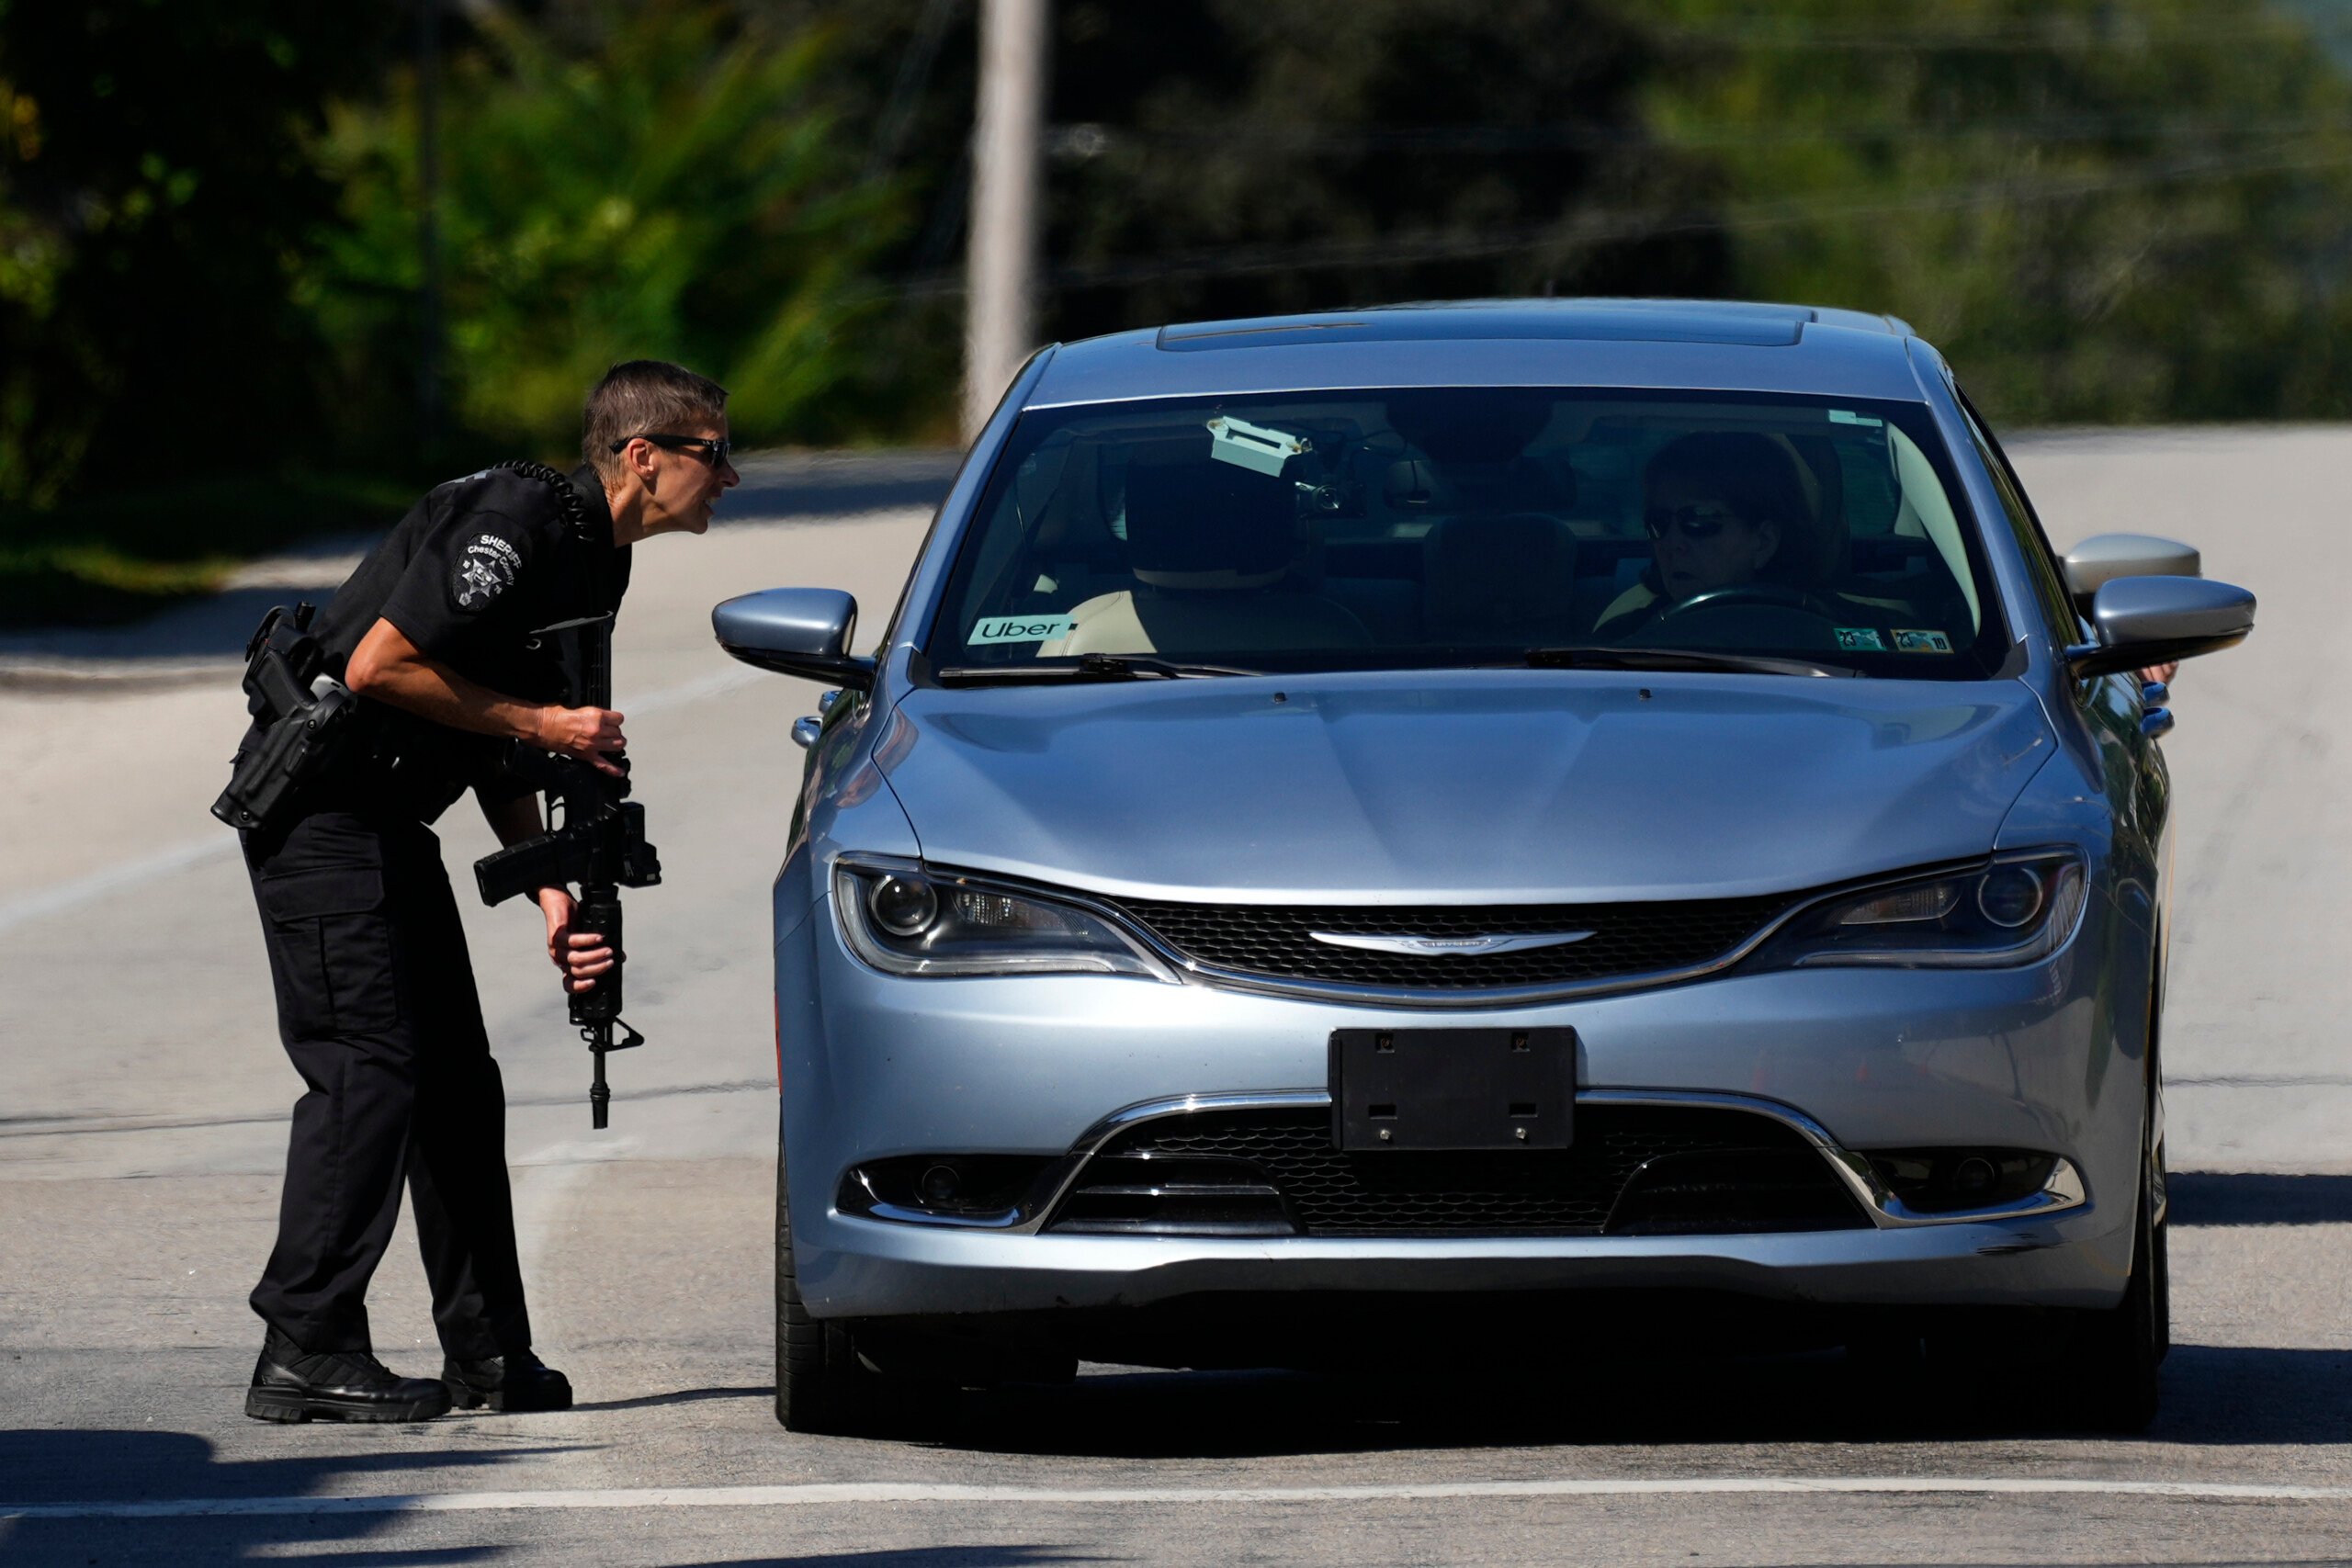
column 1461, row 786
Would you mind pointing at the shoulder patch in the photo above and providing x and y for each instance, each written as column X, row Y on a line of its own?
column 483, row 569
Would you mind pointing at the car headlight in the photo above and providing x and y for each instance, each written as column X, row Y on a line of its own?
column 2019, row 909
column 906, row 919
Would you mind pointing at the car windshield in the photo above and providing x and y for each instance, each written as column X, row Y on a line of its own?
column 1447, row 526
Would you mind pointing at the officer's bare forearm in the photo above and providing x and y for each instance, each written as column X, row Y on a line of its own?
column 389, row 669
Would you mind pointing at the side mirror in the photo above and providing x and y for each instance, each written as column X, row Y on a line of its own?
column 2096, row 561
column 795, row 631
column 2149, row 620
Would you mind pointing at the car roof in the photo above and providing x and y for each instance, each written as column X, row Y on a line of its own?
column 1718, row 346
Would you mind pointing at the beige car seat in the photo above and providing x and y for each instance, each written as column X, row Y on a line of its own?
column 1209, row 543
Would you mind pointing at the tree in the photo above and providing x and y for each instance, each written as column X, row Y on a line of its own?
column 1215, row 157
column 1223, row 158
column 2101, row 209
column 655, row 182
column 156, row 199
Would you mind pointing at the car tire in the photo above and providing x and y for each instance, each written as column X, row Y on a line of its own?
column 2117, row 1351
column 820, row 1384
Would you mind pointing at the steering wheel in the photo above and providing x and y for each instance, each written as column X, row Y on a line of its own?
column 1777, row 594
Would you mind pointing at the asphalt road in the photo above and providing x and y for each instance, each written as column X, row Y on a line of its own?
column 142, row 1100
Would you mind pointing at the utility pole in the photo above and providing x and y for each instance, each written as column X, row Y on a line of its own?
column 1000, row 307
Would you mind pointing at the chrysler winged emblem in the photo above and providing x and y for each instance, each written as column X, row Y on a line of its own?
column 1442, row 946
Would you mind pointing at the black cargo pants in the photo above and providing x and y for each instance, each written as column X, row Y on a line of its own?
column 377, row 1007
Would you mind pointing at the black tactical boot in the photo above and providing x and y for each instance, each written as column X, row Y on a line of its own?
column 294, row 1384
column 518, row 1381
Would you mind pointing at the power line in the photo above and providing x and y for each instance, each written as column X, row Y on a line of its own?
column 2087, row 31
column 1608, row 226
column 1078, row 143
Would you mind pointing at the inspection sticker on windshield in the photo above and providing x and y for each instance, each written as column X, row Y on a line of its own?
column 1848, row 416
column 1859, row 640
column 1909, row 641
column 1021, row 628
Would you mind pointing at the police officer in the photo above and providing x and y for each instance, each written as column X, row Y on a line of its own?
column 375, row 998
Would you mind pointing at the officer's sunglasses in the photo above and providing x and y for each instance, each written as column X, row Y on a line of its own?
column 1702, row 520
column 715, row 450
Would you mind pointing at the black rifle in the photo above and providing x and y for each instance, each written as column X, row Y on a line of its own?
column 599, row 844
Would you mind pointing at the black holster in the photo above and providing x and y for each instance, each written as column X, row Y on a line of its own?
column 312, row 722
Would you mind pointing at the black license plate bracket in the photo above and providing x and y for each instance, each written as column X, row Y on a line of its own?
column 1453, row 1089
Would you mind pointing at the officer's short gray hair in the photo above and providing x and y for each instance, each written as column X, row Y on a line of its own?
column 645, row 397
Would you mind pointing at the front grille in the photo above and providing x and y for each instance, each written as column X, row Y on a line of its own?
column 1632, row 1170
column 1634, row 939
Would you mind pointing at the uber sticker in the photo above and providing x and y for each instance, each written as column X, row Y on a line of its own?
column 1908, row 641
column 485, row 569
column 1859, row 640
column 1021, row 628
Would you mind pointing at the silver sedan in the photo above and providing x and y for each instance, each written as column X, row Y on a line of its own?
column 1550, row 813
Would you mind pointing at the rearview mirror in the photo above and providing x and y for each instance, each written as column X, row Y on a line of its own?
column 2098, row 561
column 795, row 631
column 2149, row 620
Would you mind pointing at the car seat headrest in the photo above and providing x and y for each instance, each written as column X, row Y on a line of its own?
column 1501, row 579
column 1199, row 524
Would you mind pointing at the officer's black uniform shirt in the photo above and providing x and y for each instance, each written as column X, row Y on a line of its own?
column 475, row 568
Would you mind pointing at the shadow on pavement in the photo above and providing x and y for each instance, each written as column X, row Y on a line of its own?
column 683, row 1396
column 208, row 629
column 49, row 1466
column 2213, row 1395
column 921, row 1557
column 2203, row 1199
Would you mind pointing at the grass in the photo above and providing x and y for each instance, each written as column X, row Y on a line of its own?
column 121, row 557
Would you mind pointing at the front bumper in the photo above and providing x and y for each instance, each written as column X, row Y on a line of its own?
column 863, row 1267
column 875, row 1067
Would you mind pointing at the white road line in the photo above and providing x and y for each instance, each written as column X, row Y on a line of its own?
column 2262, row 1080
column 28, row 908
column 830, row 1494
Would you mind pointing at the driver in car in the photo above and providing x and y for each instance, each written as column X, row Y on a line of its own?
column 1717, row 506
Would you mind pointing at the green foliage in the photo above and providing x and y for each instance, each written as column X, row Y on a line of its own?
column 155, row 196
column 1244, row 157
column 2100, row 209
column 210, row 274
column 1211, row 158
column 665, row 191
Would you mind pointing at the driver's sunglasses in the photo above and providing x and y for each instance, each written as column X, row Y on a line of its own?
column 715, row 450
column 1702, row 520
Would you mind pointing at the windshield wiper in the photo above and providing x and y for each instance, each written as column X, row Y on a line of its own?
column 1092, row 667
column 1602, row 657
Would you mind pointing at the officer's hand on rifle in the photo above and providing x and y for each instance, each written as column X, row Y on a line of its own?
column 579, row 956
column 588, row 735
